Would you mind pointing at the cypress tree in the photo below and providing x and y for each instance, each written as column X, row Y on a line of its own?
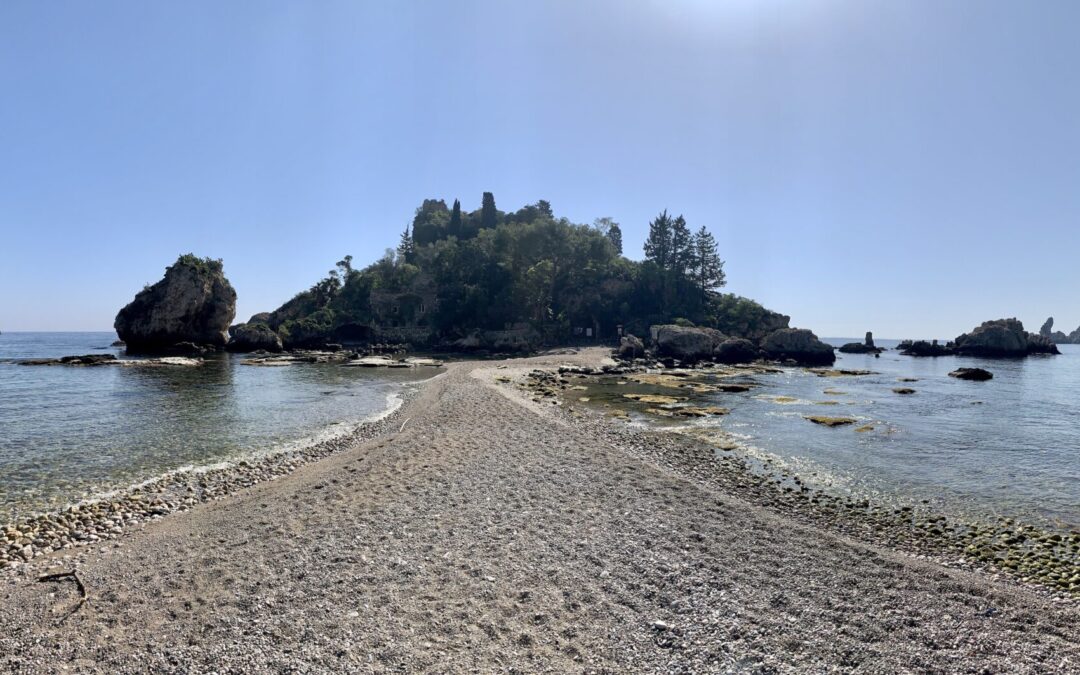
column 488, row 215
column 454, row 228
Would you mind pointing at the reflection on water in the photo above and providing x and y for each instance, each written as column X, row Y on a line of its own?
column 66, row 432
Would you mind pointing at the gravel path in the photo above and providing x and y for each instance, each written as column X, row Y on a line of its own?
column 493, row 534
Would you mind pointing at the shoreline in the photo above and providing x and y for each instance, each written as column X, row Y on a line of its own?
column 475, row 529
column 111, row 514
column 1047, row 561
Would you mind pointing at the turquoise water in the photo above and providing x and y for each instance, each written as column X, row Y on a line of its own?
column 1009, row 447
column 70, row 432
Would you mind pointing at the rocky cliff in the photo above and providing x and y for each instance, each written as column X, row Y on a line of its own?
column 194, row 304
column 1003, row 337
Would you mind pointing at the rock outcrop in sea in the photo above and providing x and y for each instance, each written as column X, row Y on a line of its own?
column 1003, row 338
column 252, row 337
column 193, row 304
column 1058, row 337
column 865, row 347
column 1000, row 338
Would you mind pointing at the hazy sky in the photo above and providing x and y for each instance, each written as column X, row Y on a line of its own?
column 907, row 167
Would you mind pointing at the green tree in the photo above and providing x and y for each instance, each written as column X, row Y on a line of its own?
column 658, row 243
column 706, row 269
column 406, row 246
column 610, row 229
column 681, row 248
column 488, row 215
column 454, row 228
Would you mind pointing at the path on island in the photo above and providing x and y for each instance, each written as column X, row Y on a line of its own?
column 492, row 535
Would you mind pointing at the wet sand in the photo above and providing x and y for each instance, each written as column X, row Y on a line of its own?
column 483, row 531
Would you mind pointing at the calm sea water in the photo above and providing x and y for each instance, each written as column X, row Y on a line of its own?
column 69, row 432
column 1008, row 447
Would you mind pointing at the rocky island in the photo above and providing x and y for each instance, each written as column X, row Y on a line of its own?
column 1001, row 338
column 187, row 311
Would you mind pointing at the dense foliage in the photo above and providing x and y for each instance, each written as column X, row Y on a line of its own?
column 490, row 270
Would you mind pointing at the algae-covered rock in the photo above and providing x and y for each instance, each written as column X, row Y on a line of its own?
column 830, row 421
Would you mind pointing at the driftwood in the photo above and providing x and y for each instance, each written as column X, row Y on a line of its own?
column 83, row 593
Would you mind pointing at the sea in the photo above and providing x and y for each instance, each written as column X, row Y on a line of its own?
column 70, row 433
column 1005, row 448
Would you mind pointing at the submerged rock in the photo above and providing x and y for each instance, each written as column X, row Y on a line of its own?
column 976, row 374
column 799, row 345
column 194, row 303
column 83, row 360
column 830, row 421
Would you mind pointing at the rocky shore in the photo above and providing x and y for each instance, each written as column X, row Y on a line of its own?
column 486, row 526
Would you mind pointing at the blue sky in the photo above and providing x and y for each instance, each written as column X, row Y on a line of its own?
column 910, row 168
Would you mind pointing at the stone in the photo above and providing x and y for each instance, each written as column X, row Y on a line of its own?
column 924, row 348
column 976, row 374
column 799, row 345
column 903, row 390
column 631, row 347
column 685, row 343
column 735, row 350
column 830, row 421
column 248, row 337
column 193, row 303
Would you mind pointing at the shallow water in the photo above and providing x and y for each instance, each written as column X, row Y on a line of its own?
column 70, row 432
column 1007, row 447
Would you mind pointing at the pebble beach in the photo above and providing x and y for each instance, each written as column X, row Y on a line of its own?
column 484, row 527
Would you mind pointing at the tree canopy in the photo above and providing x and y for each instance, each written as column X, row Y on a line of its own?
column 488, row 270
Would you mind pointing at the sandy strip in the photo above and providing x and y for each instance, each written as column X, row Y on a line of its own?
column 491, row 533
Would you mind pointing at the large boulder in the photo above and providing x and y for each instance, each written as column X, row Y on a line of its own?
column 736, row 350
column 631, row 347
column 974, row 374
column 194, row 303
column 1003, row 338
column 798, row 344
column 251, row 337
column 685, row 343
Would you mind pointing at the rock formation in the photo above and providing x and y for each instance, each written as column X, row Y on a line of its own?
column 975, row 374
column 798, row 344
column 865, row 347
column 631, row 347
column 1003, row 338
column 1047, row 328
column 194, row 303
column 736, row 350
column 685, row 343
column 1058, row 337
column 924, row 348
column 251, row 337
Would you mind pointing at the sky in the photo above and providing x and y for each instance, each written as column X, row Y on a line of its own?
column 910, row 168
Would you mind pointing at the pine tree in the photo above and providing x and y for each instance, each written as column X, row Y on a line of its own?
column 406, row 248
column 681, row 248
column 707, row 269
column 658, row 243
column 454, row 227
column 488, row 215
